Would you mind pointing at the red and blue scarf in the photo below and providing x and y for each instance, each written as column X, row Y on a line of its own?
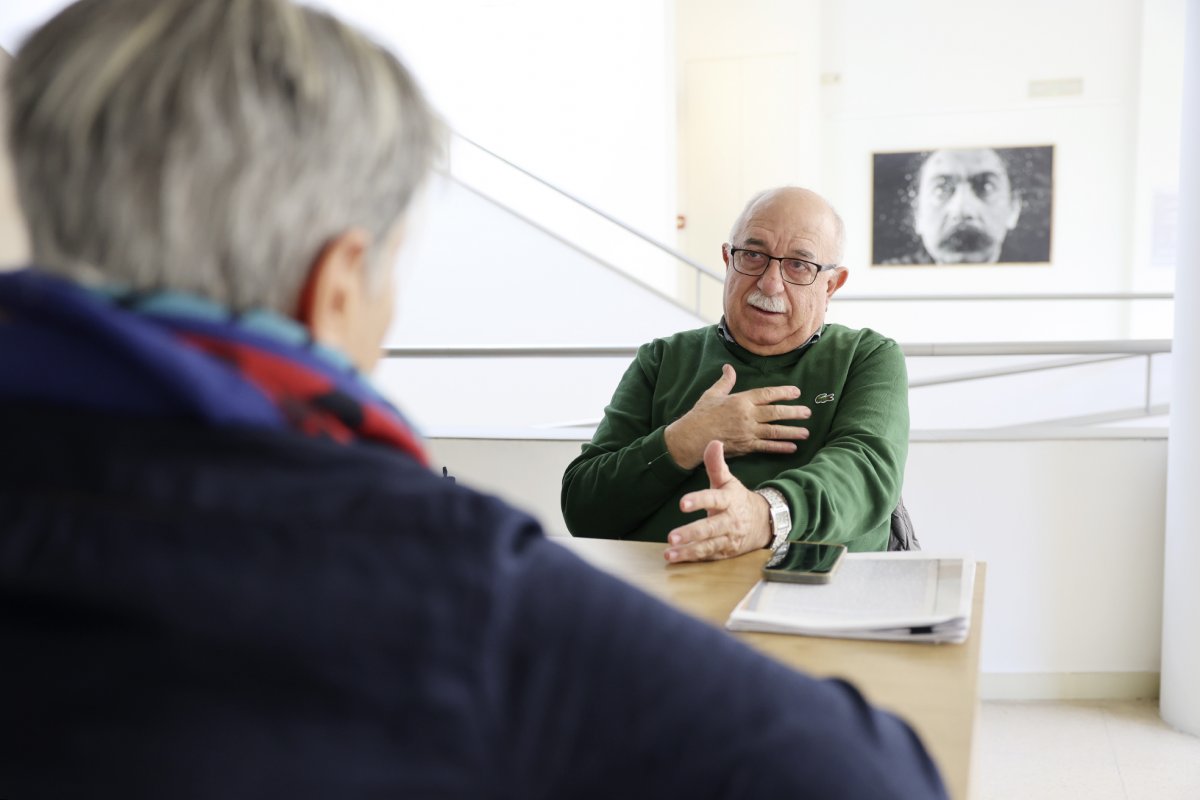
column 174, row 355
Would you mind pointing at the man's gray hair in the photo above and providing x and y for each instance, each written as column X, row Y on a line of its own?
column 839, row 227
column 210, row 146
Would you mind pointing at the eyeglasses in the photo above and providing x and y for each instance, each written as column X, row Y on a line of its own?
column 792, row 270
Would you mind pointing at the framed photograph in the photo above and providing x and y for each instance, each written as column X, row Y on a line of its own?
column 971, row 205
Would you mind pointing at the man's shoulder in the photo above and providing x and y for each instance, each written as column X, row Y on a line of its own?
column 686, row 344
column 378, row 494
column 689, row 339
column 857, row 339
column 842, row 348
column 250, row 479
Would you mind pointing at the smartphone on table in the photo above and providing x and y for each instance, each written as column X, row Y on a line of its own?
column 804, row 562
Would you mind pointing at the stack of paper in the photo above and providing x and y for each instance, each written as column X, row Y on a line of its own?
column 905, row 597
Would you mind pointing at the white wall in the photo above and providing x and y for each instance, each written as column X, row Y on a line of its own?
column 473, row 274
column 17, row 20
column 590, row 229
column 1072, row 533
column 945, row 73
column 1054, row 389
column 937, row 73
column 749, row 100
column 1071, row 530
column 1156, row 165
column 580, row 94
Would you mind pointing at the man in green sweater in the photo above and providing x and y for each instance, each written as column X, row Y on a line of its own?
column 771, row 425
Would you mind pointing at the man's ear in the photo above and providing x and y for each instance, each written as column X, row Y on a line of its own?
column 335, row 288
column 836, row 282
column 725, row 254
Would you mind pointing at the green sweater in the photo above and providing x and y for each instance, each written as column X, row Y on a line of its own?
column 841, row 484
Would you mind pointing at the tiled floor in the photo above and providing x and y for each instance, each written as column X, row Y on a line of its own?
column 1094, row 750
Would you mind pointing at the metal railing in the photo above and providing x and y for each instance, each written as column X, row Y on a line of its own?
column 1124, row 347
column 1077, row 354
column 844, row 297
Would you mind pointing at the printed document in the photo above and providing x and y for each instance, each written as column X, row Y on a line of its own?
column 911, row 597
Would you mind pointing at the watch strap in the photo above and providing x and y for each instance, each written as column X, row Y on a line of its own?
column 781, row 515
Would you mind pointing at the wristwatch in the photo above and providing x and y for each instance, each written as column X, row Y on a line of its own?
column 781, row 516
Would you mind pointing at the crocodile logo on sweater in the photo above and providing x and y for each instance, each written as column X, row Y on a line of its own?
column 824, row 397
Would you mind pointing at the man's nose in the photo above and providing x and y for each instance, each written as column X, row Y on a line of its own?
column 771, row 281
column 964, row 204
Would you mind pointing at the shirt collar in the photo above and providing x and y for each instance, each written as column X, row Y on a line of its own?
column 723, row 329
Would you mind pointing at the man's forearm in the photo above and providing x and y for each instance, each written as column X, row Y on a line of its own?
column 851, row 486
column 607, row 494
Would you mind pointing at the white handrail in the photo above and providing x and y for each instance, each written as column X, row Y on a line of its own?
column 583, row 204
column 1111, row 347
column 1060, row 348
column 566, row 242
column 935, row 298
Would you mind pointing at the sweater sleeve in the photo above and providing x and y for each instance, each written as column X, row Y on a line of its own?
column 625, row 473
column 850, row 488
column 606, row 692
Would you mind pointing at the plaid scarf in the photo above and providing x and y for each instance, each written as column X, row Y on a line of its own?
column 173, row 355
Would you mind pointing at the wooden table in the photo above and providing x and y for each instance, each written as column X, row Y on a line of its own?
column 933, row 687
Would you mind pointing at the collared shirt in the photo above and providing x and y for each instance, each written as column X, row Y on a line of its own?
column 723, row 329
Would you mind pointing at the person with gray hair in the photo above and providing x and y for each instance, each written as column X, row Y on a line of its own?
column 226, row 569
column 770, row 426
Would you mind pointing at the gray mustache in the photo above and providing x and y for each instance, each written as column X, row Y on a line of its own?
column 760, row 301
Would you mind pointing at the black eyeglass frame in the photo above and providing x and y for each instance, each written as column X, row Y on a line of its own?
column 818, row 268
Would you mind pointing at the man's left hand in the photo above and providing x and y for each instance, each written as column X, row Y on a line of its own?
column 738, row 520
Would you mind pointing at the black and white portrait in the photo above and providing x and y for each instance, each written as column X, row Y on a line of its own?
column 983, row 205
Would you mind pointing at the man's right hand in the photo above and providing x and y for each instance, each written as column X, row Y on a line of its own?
column 744, row 422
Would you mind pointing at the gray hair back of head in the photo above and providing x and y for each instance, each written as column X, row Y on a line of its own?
column 210, row 146
column 839, row 227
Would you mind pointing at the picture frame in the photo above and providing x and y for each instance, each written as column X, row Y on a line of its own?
column 977, row 206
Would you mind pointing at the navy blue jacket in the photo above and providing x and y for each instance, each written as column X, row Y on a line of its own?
column 188, row 612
